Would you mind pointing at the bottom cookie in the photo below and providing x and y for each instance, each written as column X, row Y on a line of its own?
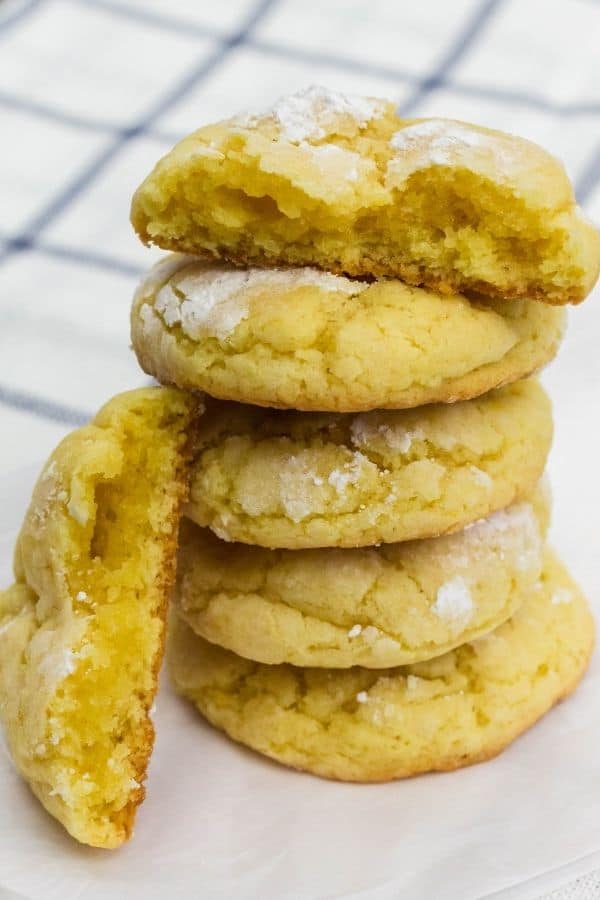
column 364, row 725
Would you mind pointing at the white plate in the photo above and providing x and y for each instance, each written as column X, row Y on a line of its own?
column 221, row 822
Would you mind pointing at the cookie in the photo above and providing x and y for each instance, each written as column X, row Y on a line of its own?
column 366, row 725
column 82, row 628
column 342, row 183
column 298, row 480
column 391, row 606
column 309, row 340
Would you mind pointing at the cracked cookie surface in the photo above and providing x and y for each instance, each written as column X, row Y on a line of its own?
column 342, row 183
column 376, row 607
column 310, row 340
column 366, row 725
column 298, row 480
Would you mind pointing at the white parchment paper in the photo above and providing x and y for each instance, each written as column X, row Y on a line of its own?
column 221, row 822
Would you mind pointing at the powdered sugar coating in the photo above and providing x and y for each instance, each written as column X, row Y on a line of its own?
column 303, row 492
column 316, row 112
column 444, row 142
column 335, row 162
column 442, row 136
column 364, row 432
column 299, row 489
column 350, row 474
column 212, row 301
column 454, row 603
column 514, row 531
column 160, row 273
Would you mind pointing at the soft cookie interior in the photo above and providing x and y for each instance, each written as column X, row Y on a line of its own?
column 81, row 630
column 344, row 184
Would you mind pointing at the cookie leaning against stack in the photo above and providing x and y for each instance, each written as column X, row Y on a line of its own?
column 82, row 628
column 346, row 269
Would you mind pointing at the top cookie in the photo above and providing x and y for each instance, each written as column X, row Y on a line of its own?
column 343, row 184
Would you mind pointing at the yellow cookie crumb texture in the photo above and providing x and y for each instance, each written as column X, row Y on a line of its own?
column 298, row 480
column 311, row 340
column 82, row 629
column 390, row 606
column 344, row 184
column 365, row 725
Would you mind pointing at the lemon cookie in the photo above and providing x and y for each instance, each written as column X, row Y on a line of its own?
column 365, row 725
column 297, row 480
column 309, row 340
column 390, row 606
column 342, row 183
column 82, row 629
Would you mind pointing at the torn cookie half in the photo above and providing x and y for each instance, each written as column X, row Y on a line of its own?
column 82, row 628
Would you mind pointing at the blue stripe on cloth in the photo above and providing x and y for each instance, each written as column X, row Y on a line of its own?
column 511, row 98
column 468, row 36
column 343, row 63
column 589, row 177
column 43, row 111
column 73, row 254
column 89, row 258
column 29, row 236
column 15, row 18
column 39, row 406
column 153, row 19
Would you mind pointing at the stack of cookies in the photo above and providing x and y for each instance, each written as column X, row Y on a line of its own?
column 363, row 589
column 346, row 335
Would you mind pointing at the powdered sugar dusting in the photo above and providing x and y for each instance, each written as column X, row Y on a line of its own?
column 443, row 142
column 512, row 533
column 160, row 273
column 335, row 161
column 212, row 301
column 300, row 489
column 453, row 603
column 364, row 431
column 441, row 136
column 350, row 474
column 316, row 112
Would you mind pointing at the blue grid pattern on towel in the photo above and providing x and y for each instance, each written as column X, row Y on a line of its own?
column 92, row 92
